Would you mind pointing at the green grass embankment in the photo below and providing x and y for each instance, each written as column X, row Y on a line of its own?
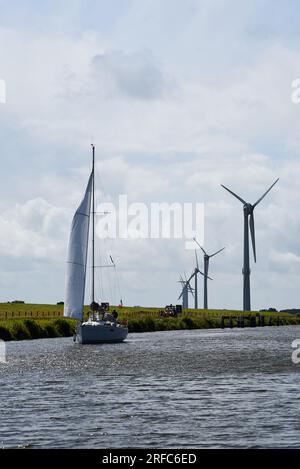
column 26, row 329
column 24, row 322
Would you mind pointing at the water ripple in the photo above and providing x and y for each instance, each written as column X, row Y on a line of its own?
column 206, row 389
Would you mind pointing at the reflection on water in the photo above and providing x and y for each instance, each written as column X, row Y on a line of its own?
column 214, row 388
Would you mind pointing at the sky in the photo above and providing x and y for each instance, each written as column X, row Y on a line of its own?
column 179, row 97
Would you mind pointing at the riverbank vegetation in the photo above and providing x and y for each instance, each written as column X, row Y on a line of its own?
column 28, row 321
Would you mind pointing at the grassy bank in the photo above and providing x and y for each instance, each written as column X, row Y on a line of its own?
column 26, row 329
column 24, row 322
column 200, row 320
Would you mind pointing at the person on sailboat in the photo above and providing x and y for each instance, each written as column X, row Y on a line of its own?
column 109, row 317
column 115, row 314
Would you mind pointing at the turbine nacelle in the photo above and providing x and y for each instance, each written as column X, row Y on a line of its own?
column 248, row 209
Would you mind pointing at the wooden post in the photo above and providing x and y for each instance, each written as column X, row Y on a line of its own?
column 270, row 320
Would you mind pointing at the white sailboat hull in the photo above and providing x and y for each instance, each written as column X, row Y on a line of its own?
column 100, row 332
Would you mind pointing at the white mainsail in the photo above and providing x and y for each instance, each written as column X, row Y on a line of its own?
column 77, row 257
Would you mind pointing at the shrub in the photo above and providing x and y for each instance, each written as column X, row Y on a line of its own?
column 148, row 324
column 182, row 324
column 135, row 326
column 20, row 331
column 189, row 323
column 35, row 330
column 161, row 325
column 169, row 324
column 5, row 333
column 65, row 328
column 51, row 331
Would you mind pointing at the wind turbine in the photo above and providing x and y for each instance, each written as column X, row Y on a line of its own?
column 248, row 212
column 186, row 289
column 196, row 272
column 206, row 267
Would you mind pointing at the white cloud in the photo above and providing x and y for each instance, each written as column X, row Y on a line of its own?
column 33, row 229
column 135, row 75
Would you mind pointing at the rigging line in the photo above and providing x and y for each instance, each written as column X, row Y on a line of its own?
column 109, row 280
column 118, row 283
column 111, row 284
column 102, row 275
column 100, row 282
column 118, row 286
column 104, row 278
column 117, row 294
column 115, row 283
column 99, row 278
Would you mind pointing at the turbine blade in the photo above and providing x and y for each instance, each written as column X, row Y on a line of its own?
column 190, row 290
column 220, row 250
column 199, row 245
column 252, row 231
column 264, row 195
column 235, row 195
column 112, row 260
column 197, row 265
column 190, row 278
column 209, row 278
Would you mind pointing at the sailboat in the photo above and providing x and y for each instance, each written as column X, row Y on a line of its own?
column 100, row 327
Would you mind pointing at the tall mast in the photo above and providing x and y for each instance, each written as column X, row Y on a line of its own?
column 93, row 227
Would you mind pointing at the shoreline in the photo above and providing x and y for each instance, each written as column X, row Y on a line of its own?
column 30, row 329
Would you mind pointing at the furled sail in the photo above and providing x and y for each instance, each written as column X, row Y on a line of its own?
column 77, row 257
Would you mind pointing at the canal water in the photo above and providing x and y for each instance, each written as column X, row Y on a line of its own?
column 180, row 389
